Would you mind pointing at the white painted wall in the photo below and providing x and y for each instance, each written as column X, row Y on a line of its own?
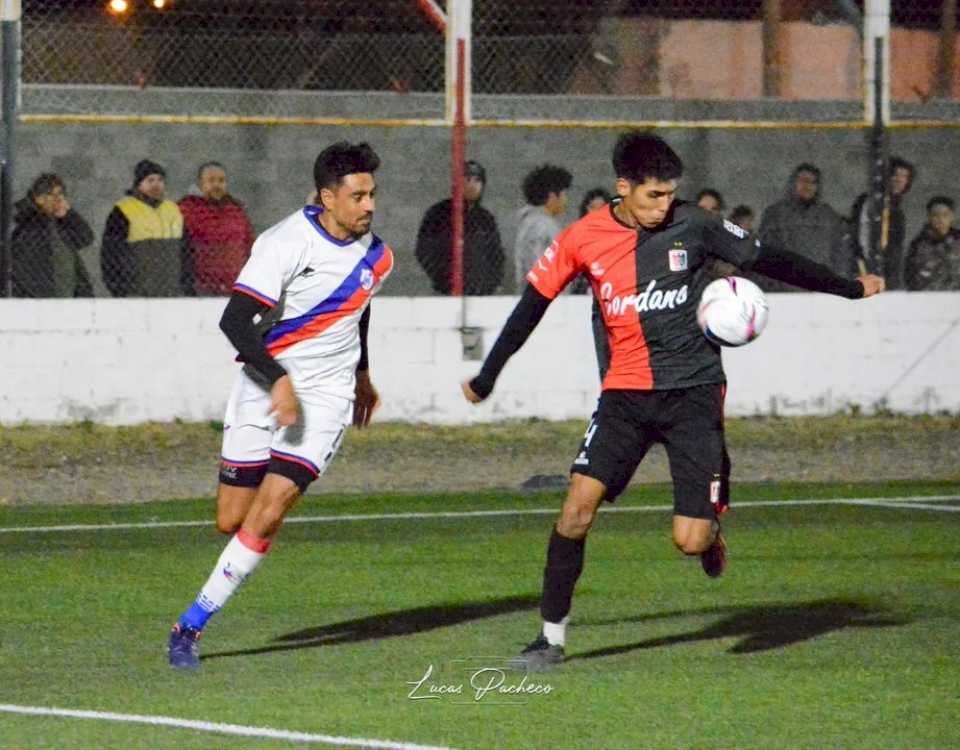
column 129, row 361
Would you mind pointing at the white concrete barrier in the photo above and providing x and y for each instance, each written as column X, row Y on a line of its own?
column 128, row 361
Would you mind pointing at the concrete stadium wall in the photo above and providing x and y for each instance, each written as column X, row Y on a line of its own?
column 270, row 167
column 130, row 361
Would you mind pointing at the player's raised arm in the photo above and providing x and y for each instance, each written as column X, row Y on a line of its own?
column 731, row 243
column 524, row 318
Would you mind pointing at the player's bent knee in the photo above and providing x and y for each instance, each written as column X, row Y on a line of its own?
column 228, row 524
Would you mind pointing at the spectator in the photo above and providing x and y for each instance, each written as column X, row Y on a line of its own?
column 933, row 260
column 483, row 255
column 710, row 200
column 545, row 190
column 218, row 231
column 743, row 217
column 592, row 200
column 888, row 261
column 45, row 243
column 143, row 252
column 804, row 224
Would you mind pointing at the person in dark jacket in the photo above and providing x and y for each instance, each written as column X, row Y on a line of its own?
column 47, row 236
column 803, row 223
column 144, row 252
column 482, row 249
column 888, row 259
column 218, row 230
column 933, row 260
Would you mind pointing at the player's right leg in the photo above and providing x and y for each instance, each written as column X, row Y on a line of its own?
column 245, row 457
column 611, row 449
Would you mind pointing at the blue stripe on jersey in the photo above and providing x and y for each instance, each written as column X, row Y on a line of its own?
column 312, row 213
column 337, row 299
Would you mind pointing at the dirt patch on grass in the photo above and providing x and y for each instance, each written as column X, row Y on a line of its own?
column 87, row 463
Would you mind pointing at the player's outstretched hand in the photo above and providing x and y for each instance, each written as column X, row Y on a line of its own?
column 871, row 284
column 469, row 393
column 283, row 402
column 367, row 400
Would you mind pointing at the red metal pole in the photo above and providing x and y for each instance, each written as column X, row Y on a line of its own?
column 456, row 169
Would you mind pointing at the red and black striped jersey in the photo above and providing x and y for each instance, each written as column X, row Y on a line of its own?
column 648, row 283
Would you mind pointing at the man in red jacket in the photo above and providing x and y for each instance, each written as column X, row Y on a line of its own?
column 219, row 232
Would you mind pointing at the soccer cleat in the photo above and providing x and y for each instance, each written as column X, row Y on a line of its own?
column 714, row 560
column 538, row 656
column 183, row 649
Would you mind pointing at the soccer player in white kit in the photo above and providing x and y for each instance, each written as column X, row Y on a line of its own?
column 305, row 376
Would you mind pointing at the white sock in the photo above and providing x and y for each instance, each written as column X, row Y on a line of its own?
column 238, row 560
column 556, row 632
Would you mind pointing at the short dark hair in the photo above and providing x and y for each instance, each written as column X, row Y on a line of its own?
column 45, row 183
column 542, row 181
column 639, row 155
column 337, row 161
column 740, row 212
column 715, row 194
column 940, row 200
column 208, row 165
column 589, row 197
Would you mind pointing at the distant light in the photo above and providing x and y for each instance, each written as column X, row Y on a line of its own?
column 118, row 6
column 160, row 4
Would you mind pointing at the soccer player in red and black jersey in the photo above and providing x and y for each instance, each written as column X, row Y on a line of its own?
column 646, row 258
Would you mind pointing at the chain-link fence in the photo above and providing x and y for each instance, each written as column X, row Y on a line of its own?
column 139, row 84
column 260, row 58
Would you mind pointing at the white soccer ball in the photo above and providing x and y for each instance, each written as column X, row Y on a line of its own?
column 733, row 311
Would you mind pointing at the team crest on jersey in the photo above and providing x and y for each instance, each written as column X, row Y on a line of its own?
column 366, row 279
column 678, row 260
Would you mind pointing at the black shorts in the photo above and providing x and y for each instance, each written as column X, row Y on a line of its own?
column 689, row 423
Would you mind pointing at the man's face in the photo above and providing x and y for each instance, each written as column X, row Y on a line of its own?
column 350, row 204
column 648, row 202
column 940, row 218
column 556, row 203
column 472, row 188
column 899, row 180
column 153, row 186
column 213, row 183
column 805, row 186
column 709, row 203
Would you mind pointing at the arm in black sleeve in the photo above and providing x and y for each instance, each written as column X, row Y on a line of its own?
column 783, row 265
column 364, row 363
column 524, row 318
column 237, row 324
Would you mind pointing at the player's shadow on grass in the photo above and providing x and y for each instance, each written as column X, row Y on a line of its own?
column 768, row 626
column 388, row 624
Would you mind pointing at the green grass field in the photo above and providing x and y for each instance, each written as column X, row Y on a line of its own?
column 835, row 626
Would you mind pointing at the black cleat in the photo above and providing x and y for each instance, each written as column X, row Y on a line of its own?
column 183, row 650
column 538, row 656
column 714, row 560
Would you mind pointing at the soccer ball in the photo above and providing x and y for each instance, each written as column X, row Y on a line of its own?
column 733, row 311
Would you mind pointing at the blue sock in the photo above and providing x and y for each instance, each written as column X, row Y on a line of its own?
column 196, row 616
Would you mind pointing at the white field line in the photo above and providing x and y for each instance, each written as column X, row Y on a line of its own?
column 911, row 506
column 913, row 500
column 218, row 728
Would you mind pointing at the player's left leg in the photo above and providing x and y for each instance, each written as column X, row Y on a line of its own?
column 298, row 456
column 700, row 468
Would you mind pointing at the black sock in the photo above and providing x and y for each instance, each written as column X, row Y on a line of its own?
column 564, row 565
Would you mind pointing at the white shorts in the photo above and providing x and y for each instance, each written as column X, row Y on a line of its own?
column 252, row 439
